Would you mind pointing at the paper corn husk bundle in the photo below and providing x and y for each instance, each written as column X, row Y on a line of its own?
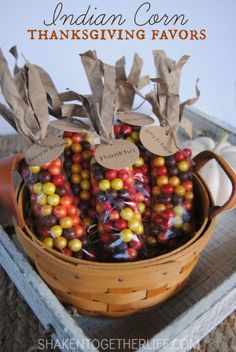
column 171, row 169
column 119, row 220
column 129, row 123
column 171, row 181
column 53, row 215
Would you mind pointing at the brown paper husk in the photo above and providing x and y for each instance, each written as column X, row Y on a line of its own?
column 56, row 106
column 25, row 120
column 8, row 116
column 166, row 105
column 102, row 81
column 125, row 96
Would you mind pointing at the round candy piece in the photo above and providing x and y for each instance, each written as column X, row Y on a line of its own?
column 60, row 243
column 104, row 185
column 183, row 166
column 60, row 211
column 134, row 225
column 66, row 222
column 48, row 241
column 75, row 245
column 127, row 213
column 162, row 180
column 158, row 161
column 139, row 162
column 53, row 200
column 126, row 235
column 46, row 210
column 49, row 188
column 110, row 174
column 42, row 199
column 38, row 188
column 117, row 184
column 34, row 169
column 56, row 231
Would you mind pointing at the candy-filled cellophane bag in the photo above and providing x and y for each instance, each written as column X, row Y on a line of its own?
column 128, row 126
column 119, row 219
column 171, row 168
column 52, row 213
column 78, row 134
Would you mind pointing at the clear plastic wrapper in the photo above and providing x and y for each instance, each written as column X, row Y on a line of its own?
column 78, row 153
column 172, row 199
column 54, row 215
column 120, row 227
column 141, row 168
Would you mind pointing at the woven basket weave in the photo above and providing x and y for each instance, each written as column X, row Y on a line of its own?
column 116, row 289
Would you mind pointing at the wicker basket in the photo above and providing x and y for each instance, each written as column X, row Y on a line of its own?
column 115, row 289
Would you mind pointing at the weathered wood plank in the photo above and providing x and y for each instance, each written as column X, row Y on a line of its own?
column 198, row 321
column 37, row 294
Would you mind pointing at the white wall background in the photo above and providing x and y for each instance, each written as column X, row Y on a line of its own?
column 212, row 60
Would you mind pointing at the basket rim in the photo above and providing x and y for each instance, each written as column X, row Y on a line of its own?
column 122, row 265
column 141, row 264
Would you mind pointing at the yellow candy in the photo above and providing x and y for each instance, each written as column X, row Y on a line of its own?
column 127, row 214
column 38, row 188
column 56, row 231
column 135, row 136
column 139, row 162
column 46, row 210
column 137, row 216
column 76, row 148
column 162, row 181
column 53, row 200
column 88, row 138
column 158, row 161
column 117, row 184
column 134, row 225
column 85, row 185
column 126, row 235
column 174, row 181
column 179, row 211
column 141, row 207
column 68, row 142
column 180, row 190
column 42, row 199
column 48, row 241
column 159, row 208
column 178, row 222
column 75, row 245
column 183, row 166
column 60, row 243
column 130, row 139
column 34, row 169
column 104, row 185
column 49, row 188
column 66, row 222
column 85, row 174
column 140, row 229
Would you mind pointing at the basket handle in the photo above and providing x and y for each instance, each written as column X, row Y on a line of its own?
column 200, row 160
column 7, row 190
